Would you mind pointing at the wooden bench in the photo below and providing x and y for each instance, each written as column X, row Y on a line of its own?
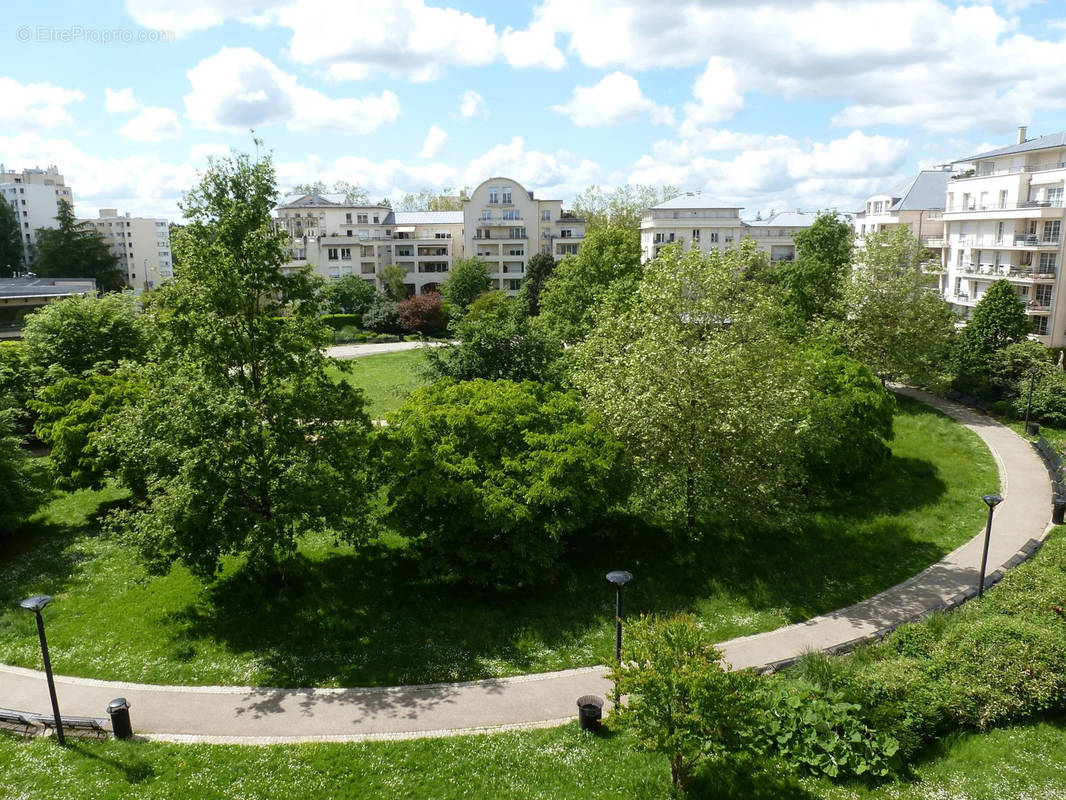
column 97, row 725
column 21, row 719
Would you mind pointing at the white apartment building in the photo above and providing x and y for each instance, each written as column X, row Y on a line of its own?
column 141, row 244
column 506, row 225
column 917, row 203
column 1003, row 218
column 335, row 238
column 35, row 196
column 699, row 222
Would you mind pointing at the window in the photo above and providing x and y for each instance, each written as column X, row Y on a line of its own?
column 442, row 235
column 506, row 196
column 375, row 219
column 545, row 215
column 1040, row 326
column 484, row 233
column 512, row 284
column 517, row 251
column 1042, row 294
column 567, row 250
column 1054, row 196
column 714, row 237
column 348, row 217
column 1002, row 198
column 1047, row 263
column 346, row 254
column 332, row 253
column 517, row 233
column 1052, row 228
column 349, row 231
column 359, row 218
column 695, row 234
column 511, row 213
column 566, row 233
column 494, row 197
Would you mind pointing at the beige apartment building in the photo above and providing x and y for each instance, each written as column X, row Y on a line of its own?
column 1003, row 219
column 699, row 222
column 506, row 225
column 35, row 196
column 141, row 244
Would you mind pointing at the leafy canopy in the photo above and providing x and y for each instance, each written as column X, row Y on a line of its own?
column 469, row 278
column 75, row 250
column 11, row 254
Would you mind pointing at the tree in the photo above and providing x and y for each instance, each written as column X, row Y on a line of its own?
column 11, row 260
column 349, row 294
column 392, row 278
column 381, row 314
column 893, row 321
column 468, row 279
column 673, row 690
column 497, row 340
column 695, row 377
column 538, row 270
column 998, row 321
column 423, row 313
column 620, row 207
column 493, row 479
column 76, row 250
column 353, row 193
column 21, row 495
column 245, row 442
column 84, row 333
column 573, row 294
column 429, row 200
column 815, row 279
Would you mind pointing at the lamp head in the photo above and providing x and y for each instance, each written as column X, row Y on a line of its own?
column 992, row 500
column 36, row 603
column 619, row 577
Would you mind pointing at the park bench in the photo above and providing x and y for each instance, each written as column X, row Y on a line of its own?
column 97, row 725
column 19, row 719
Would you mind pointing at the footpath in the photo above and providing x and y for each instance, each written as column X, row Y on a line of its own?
column 249, row 715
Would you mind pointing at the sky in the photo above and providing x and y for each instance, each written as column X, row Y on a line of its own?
column 768, row 105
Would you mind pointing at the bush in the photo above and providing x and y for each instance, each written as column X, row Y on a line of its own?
column 20, row 495
column 381, row 315
column 493, row 479
column 17, row 384
column 423, row 313
column 339, row 321
column 349, row 294
column 347, row 334
column 1049, row 399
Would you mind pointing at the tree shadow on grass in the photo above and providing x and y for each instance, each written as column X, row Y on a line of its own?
column 747, row 779
column 129, row 764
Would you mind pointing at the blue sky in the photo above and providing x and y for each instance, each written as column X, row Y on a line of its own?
column 775, row 104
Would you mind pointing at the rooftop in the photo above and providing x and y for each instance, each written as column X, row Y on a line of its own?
column 784, row 219
column 925, row 191
column 694, row 200
column 428, row 217
column 42, row 287
column 1039, row 143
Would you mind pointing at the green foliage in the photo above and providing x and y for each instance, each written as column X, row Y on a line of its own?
column 340, row 321
column 892, row 321
column 354, row 194
column 11, row 253
column 494, row 478
column 71, row 415
column 622, row 207
column 349, row 294
column 818, row 732
column 429, row 200
column 17, row 384
column 75, row 250
column 497, row 340
column 381, row 315
column 575, row 292
column 392, row 278
column 1049, row 398
column 998, row 321
column 1013, row 366
column 423, row 313
column 673, row 691
column 468, row 280
column 80, row 334
column 692, row 378
column 21, row 494
column 815, row 279
column 245, row 442
column 539, row 268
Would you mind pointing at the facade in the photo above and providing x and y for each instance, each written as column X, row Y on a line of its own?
column 699, row 222
column 335, row 238
column 917, row 203
column 35, row 196
column 21, row 296
column 1003, row 218
column 141, row 244
column 506, row 225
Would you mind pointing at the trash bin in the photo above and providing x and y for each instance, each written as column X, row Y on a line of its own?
column 119, row 711
column 589, row 711
column 1034, row 428
column 1058, row 512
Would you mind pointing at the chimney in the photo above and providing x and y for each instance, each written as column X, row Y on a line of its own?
column 1021, row 134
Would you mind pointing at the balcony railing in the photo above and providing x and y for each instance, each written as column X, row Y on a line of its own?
column 933, row 241
column 1041, row 167
column 1020, row 240
column 997, row 206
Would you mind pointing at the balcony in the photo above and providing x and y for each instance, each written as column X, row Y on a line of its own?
column 986, row 172
column 1037, row 305
column 933, row 241
column 497, row 221
column 997, row 206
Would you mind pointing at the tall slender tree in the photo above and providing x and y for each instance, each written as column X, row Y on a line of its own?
column 75, row 250
column 11, row 260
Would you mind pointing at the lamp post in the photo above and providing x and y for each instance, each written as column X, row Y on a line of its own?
column 619, row 578
column 36, row 604
column 991, row 500
column 1029, row 402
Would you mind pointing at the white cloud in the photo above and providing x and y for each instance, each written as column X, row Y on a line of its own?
column 435, row 141
column 560, row 173
column 190, row 16
column 616, row 98
column 471, row 104
column 119, row 102
column 718, row 96
column 37, row 106
column 152, row 124
column 238, row 88
column 533, row 47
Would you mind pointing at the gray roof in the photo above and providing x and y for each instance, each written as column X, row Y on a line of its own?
column 694, row 200
column 428, row 217
column 784, row 219
column 324, row 200
column 45, row 287
column 924, row 191
column 1039, row 143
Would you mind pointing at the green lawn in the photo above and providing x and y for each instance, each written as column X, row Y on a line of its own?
column 385, row 379
column 1017, row 763
column 369, row 617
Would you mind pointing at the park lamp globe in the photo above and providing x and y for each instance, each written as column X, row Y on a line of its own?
column 36, row 603
column 991, row 500
column 619, row 577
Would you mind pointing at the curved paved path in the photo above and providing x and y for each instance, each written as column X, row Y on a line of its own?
column 258, row 716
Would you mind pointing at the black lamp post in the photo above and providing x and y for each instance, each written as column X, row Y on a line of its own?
column 36, row 604
column 1029, row 402
column 991, row 500
column 619, row 578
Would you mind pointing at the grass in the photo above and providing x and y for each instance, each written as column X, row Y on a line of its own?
column 371, row 618
column 1016, row 763
column 385, row 379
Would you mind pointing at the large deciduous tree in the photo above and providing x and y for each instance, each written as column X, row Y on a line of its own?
column 815, row 278
column 538, row 270
column 349, row 294
column 468, row 280
column 245, row 442
column 622, row 206
column 76, row 250
column 11, row 256
column 20, row 494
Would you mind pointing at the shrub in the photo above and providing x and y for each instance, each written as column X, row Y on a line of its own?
column 381, row 315
column 16, row 381
column 423, row 313
column 339, row 321
column 347, row 334
column 493, row 478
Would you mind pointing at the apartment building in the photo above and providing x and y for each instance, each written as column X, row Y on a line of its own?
column 917, row 203
column 35, row 196
column 141, row 244
column 506, row 225
column 334, row 237
column 699, row 222
column 1003, row 218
